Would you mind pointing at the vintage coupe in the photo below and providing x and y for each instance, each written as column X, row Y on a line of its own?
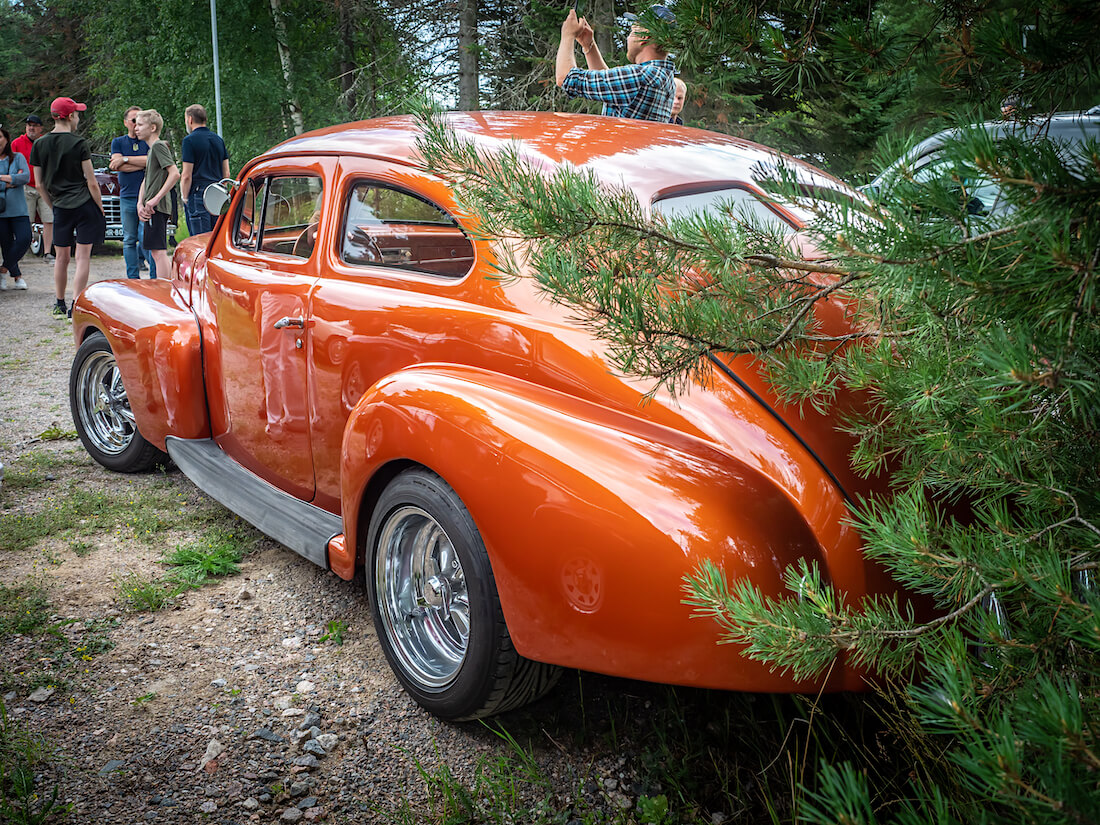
column 337, row 363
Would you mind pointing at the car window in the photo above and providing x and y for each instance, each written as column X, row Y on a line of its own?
column 291, row 209
column 747, row 205
column 982, row 193
column 388, row 227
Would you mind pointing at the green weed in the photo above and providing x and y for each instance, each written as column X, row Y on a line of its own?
column 24, row 610
column 81, row 548
column 141, row 594
column 335, row 630
column 55, row 433
column 218, row 553
column 23, row 756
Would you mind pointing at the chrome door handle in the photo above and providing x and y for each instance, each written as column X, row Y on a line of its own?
column 283, row 323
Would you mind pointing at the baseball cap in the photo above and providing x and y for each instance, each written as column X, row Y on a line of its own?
column 33, row 119
column 65, row 106
column 660, row 12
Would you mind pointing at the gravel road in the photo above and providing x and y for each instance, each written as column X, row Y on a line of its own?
column 227, row 706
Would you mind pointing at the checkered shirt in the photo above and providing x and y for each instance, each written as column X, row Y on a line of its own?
column 639, row 90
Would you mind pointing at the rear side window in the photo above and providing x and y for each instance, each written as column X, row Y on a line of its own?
column 389, row 227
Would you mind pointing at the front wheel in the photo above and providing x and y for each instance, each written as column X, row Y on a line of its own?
column 37, row 247
column 436, row 607
column 101, row 410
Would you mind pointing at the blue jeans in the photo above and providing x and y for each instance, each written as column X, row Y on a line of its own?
column 198, row 219
column 132, row 250
column 15, row 240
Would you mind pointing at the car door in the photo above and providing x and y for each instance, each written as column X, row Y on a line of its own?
column 393, row 291
column 260, row 273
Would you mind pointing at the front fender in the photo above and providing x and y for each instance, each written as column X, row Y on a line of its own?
column 591, row 519
column 158, row 348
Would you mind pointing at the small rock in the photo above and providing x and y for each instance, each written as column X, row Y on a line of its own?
column 265, row 798
column 42, row 694
column 291, row 815
column 293, row 712
column 283, row 702
column 111, row 766
column 620, row 800
column 304, row 686
column 314, row 813
column 266, row 734
column 328, row 741
column 218, row 683
column 214, row 749
column 251, row 804
column 9, row 697
column 312, row 720
column 299, row 788
column 292, row 642
column 717, row 818
column 150, row 815
column 308, row 802
column 314, row 747
column 209, row 806
column 314, row 732
column 244, row 595
column 306, row 761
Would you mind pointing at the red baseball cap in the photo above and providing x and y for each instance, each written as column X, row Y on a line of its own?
column 65, row 106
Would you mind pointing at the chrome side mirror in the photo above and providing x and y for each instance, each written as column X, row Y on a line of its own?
column 217, row 195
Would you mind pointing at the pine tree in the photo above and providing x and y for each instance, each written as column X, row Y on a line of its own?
column 975, row 341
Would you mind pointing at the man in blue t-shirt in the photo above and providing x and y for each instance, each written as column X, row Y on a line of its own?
column 128, row 158
column 205, row 161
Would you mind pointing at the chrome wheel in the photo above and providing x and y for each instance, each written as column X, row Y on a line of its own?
column 102, row 407
column 422, row 599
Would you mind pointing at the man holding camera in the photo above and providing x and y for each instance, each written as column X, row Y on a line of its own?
column 644, row 89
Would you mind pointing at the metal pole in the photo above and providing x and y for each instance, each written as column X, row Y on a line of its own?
column 217, row 73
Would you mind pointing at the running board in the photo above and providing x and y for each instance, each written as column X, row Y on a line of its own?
column 303, row 528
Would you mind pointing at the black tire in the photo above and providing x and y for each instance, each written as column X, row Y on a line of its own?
column 101, row 411
column 421, row 611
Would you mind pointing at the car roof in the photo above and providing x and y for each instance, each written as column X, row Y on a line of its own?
column 1064, row 127
column 647, row 157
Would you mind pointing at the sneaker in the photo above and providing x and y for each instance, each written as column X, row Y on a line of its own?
column 70, row 314
column 49, row 258
column 20, row 283
column 60, row 310
column 3, row 282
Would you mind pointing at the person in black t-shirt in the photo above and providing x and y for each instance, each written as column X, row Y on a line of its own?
column 205, row 161
column 65, row 180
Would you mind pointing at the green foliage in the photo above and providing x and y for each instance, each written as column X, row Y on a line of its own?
column 967, row 375
column 22, row 756
column 217, row 553
column 335, row 631
column 142, row 594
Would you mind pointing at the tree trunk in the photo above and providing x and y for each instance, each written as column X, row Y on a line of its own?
column 467, row 57
column 288, row 67
column 603, row 22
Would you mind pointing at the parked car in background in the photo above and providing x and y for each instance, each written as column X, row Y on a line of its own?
column 927, row 161
column 112, row 209
column 340, row 363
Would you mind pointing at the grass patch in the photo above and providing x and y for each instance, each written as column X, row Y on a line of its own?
column 29, row 472
column 145, row 595
column 38, row 648
column 23, row 758
column 641, row 754
column 217, row 553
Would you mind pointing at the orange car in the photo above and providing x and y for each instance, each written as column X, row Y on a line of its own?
column 336, row 363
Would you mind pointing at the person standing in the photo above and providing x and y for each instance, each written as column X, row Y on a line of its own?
column 15, row 226
column 644, row 89
column 205, row 161
column 63, row 173
column 35, row 205
column 128, row 159
column 154, row 197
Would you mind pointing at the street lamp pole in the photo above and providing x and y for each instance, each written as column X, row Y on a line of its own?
column 217, row 72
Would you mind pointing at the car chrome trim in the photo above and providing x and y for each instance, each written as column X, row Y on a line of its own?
column 735, row 378
column 303, row 528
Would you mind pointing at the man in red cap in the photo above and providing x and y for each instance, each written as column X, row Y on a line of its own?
column 65, row 180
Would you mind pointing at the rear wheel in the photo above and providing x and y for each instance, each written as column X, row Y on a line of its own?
column 101, row 410
column 436, row 607
column 36, row 240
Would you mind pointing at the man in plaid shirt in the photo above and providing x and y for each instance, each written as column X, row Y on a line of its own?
column 644, row 89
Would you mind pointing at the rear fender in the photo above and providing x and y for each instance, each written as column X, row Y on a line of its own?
column 591, row 518
column 158, row 348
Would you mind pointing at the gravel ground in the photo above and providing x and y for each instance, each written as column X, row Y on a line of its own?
column 227, row 707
